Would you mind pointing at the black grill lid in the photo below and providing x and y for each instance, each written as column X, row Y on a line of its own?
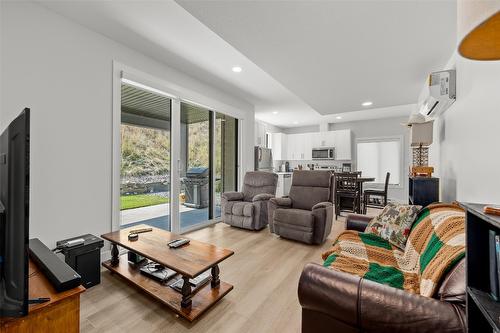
column 197, row 172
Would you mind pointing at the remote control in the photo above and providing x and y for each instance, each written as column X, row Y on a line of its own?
column 178, row 243
column 74, row 242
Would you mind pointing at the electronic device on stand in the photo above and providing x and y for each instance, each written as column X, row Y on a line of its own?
column 14, row 216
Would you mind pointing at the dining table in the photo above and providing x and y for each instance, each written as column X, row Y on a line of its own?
column 361, row 181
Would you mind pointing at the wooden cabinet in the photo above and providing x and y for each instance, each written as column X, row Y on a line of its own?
column 60, row 314
column 483, row 311
column 279, row 146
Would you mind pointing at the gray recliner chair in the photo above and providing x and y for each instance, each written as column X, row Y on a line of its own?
column 248, row 208
column 306, row 215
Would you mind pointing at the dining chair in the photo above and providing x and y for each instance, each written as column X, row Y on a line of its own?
column 347, row 195
column 376, row 198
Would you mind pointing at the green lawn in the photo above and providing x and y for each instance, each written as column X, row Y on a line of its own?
column 141, row 200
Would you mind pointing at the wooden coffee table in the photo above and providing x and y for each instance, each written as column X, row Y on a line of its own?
column 189, row 261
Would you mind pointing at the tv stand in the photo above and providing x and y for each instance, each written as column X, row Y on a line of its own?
column 61, row 313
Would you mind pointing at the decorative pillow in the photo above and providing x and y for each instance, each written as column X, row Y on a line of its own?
column 394, row 223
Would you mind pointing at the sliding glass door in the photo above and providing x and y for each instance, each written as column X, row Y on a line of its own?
column 194, row 166
column 145, row 158
column 176, row 158
column 226, row 156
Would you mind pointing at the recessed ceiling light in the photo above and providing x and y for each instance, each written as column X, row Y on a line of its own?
column 295, row 122
column 237, row 69
column 338, row 117
column 368, row 103
column 275, row 112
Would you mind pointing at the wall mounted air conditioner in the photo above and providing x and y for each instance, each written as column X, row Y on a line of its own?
column 439, row 94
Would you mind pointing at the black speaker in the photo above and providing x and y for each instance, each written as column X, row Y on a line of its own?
column 85, row 258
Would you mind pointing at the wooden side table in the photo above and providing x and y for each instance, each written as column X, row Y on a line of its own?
column 60, row 315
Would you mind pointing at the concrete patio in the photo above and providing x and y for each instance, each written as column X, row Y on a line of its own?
column 159, row 216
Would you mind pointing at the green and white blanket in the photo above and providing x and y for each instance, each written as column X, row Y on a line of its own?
column 436, row 243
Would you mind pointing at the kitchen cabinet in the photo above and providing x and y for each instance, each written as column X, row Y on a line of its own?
column 343, row 140
column 279, row 146
column 299, row 147
column 291, row 147
column 260, row 134
column 323, row 139
column 284, row 184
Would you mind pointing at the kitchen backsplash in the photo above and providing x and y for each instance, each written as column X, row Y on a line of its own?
column 295, row 164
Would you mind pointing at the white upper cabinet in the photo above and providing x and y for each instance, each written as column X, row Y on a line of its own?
column 343, row 140
column 279, row 146
column 260, row 134
column 308, row 145
column 298, row 147
column 324, row 139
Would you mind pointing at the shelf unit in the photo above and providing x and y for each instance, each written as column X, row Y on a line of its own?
column 483, row 312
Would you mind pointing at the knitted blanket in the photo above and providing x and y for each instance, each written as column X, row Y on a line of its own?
column 435, row 244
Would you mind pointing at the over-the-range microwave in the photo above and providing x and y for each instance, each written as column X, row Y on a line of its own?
column 323, row 153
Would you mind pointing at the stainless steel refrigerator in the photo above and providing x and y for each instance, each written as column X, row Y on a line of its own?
column 263, row 159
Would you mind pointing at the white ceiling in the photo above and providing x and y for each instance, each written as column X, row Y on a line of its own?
column 302, row 59
column 337, row 54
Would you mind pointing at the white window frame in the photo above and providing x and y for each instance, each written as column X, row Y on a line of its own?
column 398, row 138
column 177, row 94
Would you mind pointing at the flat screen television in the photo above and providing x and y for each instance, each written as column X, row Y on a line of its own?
column 14, row 216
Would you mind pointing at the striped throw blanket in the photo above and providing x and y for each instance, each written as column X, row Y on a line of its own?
column 436, row 243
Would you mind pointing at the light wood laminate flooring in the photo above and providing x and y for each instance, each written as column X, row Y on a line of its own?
column 264, row 270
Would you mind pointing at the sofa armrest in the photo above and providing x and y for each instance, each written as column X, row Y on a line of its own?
column 262, row 197
column 374, row 307
column 281, row 202
column 322, row 205
column 323, row 219
column 328, row 292
column 272, row 205
column 357, row 222
column 233, row 196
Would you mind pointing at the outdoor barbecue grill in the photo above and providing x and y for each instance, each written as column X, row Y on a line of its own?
column 196, row 187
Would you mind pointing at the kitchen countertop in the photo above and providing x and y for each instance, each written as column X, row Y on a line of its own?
column 283, row 173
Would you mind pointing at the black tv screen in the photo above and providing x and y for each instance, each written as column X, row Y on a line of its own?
column 14, row 216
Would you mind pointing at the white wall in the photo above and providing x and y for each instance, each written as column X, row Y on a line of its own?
column 468, row 132
column 382, row 128
column 63, row 72
column 301, row 129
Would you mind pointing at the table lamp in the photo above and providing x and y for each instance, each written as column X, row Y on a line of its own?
column 420, row 140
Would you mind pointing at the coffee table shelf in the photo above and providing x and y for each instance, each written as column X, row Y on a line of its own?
column 202, row 299
column 188, row 261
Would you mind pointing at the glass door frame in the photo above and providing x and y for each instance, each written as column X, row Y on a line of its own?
column 121, row 71
column 212, row 118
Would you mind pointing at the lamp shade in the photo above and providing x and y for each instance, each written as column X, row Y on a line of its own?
column 421, row 134
column 483, row 42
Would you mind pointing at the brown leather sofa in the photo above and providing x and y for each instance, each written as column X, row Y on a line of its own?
column 338, row 302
